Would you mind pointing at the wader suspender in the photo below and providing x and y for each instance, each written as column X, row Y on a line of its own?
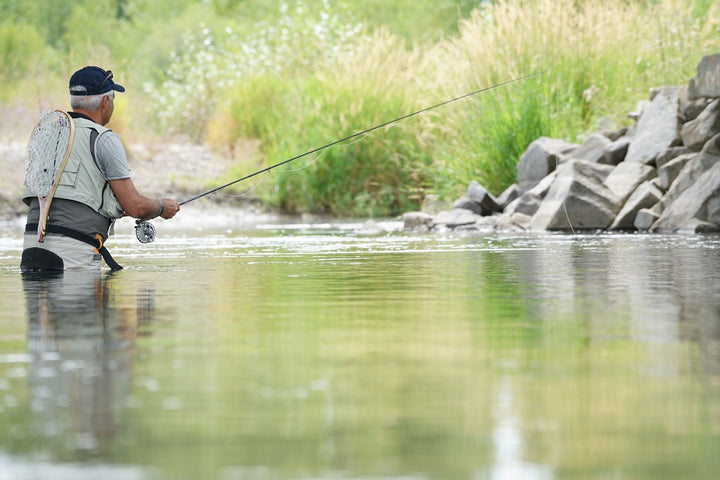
column 69, row 232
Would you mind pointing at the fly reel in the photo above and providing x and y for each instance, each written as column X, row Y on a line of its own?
column 144, row 231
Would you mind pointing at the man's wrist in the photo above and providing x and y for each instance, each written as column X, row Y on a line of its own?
column 162, row 207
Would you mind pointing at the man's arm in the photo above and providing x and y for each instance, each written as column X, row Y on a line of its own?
column 139, row 206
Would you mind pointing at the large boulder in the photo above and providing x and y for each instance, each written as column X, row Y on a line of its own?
column 478, row 194
column 454, row 218
column 625, row 178
column 645, row 196
column 541, row 158
column 707, row 80
column 657, row 128
column 529, row 202
column 508, row 195
column 592, row 149
column 578, row 199
column 614, row 152
column 669, row 171
column 696, row 208
column 696, row 133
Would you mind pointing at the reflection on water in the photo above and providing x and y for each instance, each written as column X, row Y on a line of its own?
column 357, row 351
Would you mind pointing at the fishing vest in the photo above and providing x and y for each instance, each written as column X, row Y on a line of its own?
column 82, row 180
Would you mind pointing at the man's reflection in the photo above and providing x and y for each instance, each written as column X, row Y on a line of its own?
column 81, row 347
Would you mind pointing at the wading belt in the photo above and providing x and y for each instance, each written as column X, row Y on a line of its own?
column 69, row 232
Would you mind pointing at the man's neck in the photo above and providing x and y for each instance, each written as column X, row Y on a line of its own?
column 94, row 116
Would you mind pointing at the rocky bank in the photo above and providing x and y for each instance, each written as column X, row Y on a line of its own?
column 660, row 175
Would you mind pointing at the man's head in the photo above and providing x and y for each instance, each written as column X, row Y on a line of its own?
column 92, row 91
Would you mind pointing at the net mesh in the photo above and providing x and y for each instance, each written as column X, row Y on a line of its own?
column 46, row 151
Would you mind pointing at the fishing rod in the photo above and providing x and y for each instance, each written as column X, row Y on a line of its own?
column 145, row 231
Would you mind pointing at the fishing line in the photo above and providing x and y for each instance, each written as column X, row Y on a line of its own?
column 361, row 133
column 145, row 231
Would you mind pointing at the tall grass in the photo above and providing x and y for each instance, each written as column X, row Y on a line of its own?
column 370, row 175
column 598, row 59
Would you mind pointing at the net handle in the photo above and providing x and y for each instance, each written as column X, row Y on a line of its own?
column 42, row 224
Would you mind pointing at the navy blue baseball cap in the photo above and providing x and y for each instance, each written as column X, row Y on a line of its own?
column 95, row 81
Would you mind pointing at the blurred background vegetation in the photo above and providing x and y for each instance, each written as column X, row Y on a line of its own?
column 289, row 76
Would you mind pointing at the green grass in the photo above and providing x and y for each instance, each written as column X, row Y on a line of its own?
column 231, row 72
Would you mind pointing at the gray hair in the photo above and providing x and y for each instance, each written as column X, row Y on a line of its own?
column 87, row 102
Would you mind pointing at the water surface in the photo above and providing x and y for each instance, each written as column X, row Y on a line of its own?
column 355, row 350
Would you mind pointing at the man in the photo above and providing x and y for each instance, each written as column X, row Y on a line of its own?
column 94, row 189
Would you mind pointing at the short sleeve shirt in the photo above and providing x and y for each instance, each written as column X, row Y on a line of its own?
column 111, row 156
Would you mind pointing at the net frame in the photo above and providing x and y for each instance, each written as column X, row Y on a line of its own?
column 47, row 154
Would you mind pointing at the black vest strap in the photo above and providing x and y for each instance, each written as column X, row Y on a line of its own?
column 69, row 232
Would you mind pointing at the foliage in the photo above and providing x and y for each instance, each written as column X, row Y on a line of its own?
column 294, row 75
column 208, row 64
column 380, row 173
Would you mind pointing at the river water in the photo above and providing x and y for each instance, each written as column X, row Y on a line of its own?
column 359, row 351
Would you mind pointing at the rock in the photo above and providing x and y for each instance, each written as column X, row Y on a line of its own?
column 700, row 201
column 483, row 224
column 508, row 195
column 454, row 218
column 592, row 148
column 690, row 173
column 467, row 204
column 707, row 80
column 577, row 199
column 645, row 218
column 712, row 147
column 485, row 199
column 516, row 222
column 625, row 178
column 645, row 196
column 657, row 128
column 614, row 135
column 417, row 221
column 698, row 226
column 541, row 158
column 529, row 202
column 668, row 172
column 696, row 133
column 614, row 152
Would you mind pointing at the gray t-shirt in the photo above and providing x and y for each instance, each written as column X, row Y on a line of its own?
column 111, row 156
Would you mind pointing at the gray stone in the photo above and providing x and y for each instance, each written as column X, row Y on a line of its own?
column 482, row 197
column 645, row 196
column 645, row 219
column 577, row 200
column 592, row 148
column 508, row 195
column 467, row 204
column 692, row 170
column 696, row 133
column 529, row 202
column 669, row 171
column 707, row 80
column 625, row 178
column 417, row 220
column 700, row 201
column 712, row 146
column 669, row 154
column 614, row 152
column 657, row 128
column 540, row 159
column 517, row 222
column 454, row 218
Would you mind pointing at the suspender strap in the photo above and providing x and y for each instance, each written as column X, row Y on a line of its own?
column 69, row 232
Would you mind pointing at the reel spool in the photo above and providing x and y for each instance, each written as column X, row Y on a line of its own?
column 144, row 231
